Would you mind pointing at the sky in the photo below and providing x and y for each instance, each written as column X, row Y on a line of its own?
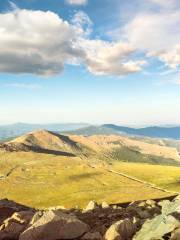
column 93, row 61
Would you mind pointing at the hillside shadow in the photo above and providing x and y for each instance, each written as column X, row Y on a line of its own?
column 66, row 139
column 26, row 148
column 50, row 151
column 83, row 175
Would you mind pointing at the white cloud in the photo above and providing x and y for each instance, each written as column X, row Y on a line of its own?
column 35, row 42
column 154, row 31
column 171, row 58
column 82, row 21
column 39, row 42
column 104, row 58
column 77, row 2
column 157, row 33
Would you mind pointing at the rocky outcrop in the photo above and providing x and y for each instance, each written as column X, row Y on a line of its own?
column 123, row 229
column 163, row 224
column 15, row 225
column 142, row 220
column 8, row 208
column 55, row 225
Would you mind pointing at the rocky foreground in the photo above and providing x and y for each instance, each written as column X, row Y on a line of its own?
column 143, row 220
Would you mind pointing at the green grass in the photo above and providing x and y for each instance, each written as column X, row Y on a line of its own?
column 42, row 180
column 127, row 154
column 167, row 177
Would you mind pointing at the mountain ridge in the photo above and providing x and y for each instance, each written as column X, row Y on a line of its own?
column 17, row 129
column 153, row 132
column 14, row 130
column 101, row 147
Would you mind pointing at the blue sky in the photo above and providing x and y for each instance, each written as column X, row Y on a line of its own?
column 111, row 61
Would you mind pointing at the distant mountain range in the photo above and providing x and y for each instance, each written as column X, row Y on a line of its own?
column 17, row 129
column 14, row 130
column 108, row 129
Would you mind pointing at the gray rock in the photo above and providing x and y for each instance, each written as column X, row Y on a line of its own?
column 151, row 203
column 15, row 225
column 91, row 206
column 143, row 214
column 36, row 217
column 55, row 225
column 121, row 230
column 56, row 208
column 161, row 225
column 104, row 205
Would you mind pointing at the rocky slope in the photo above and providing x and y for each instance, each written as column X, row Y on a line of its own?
column 143, row 220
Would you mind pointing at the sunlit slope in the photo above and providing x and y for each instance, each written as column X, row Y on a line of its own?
column 44, row 180
column 103, row 142
column 166, row 177
column 43, row 168
column 46, row 140
column 101, row 147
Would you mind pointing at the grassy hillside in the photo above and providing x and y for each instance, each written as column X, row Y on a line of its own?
column 43, row 180
column 80, row 169
column 125, row 154
column 167, row 177
column 93, row 130
column 103, row 147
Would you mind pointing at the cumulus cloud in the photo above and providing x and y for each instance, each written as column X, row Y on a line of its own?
column 39, row 42
column 170, row 58
column 105, row 58
column 77, row 2
column 156, row 33
column 35, row 42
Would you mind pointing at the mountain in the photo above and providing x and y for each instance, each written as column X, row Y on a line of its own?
column 156, row 132
column 42, row 141
column 108, row 129
column 94, row 130
column 100, row 147
column 17, row 129
column 8, row 132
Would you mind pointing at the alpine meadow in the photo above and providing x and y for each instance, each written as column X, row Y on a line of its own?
column 89, row 120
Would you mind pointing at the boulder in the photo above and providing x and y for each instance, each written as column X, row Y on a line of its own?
column 104, row 205
column 56, row 208
column 92, row 205
column 121, row 230
column 162, row 224
column 151, row 203
column 55, row 225
column 143, row 214
column 140, row 211
column 36, row 217
column 15, row 225
column 7, row 208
